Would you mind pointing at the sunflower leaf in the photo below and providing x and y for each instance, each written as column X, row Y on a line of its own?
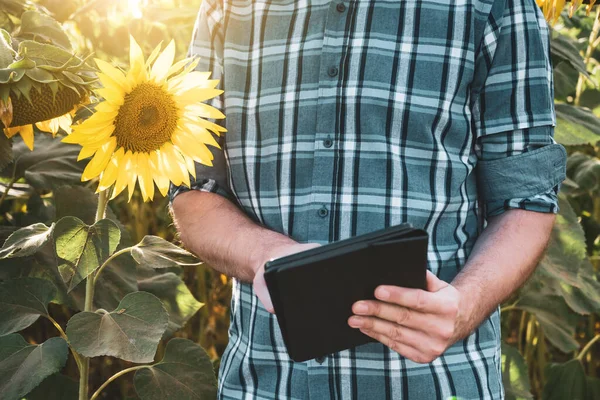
column 156, row 252
column 185, row 372
column 26, row 241
column 23, row 366
column 83, row 248
column 22, row 301
column 174, row 294
column 7, row 54
column 37, row 24
column 131, row 332
column 56, row 387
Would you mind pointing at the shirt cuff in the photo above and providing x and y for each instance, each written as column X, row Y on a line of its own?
column 527, row 181
column 544, row 203
column 202, row 185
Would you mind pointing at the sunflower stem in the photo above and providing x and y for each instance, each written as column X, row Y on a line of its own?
column 84, row 371
column 115, row 376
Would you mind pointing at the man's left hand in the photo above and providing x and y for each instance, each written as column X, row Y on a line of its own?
column 420, row 325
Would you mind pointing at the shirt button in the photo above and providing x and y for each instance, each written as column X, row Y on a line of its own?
column 323, row 212
column 333, row 71
column 320, row 360
column 341, row 7
column 327, row 143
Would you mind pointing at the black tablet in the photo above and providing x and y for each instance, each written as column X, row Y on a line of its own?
column 313, row 291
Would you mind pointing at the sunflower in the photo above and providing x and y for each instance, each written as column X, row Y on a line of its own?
column 50, row 126
column 553, row 8
column 151, row 126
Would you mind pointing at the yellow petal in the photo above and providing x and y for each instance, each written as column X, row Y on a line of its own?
column 158, row 172
column 204, row 111
column 109, row 175
column 190, row 165
column 153, row 55
column 86, row 152
column 196, row 95
column 174, row 165
column 145, row 177
column 100, row 160
column 109, row 83
column 122, row 175
column 106, row 107
column 112, row 72
column 10, row 132
column 26, row 132
column 161, row 66
column 65, row 122
column 211, row 126
column 133, row 175
column 112, row 96
column 137, row 68
column 201, row 134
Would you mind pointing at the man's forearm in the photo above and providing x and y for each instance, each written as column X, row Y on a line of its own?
column 504, row 256
column 222, row 235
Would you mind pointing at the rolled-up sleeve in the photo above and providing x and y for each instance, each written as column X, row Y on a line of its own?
column 519, row 163
column 207, row 45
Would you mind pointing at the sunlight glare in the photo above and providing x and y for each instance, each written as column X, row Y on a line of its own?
column 135, row 8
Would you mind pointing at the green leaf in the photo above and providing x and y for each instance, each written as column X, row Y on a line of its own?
column 76, row 201
column 46, row 54
column 35, row 24
column 51, row 164
column 22, row 301
column 514, row 374
column 23, row 366
column 576, row 125
column 565, row 381
column 565, row 80
column 175, row 296
column 554, row 316
column 156, row 252
column 7, row 54
column 563, row 48
column 83, row 248
column 131, row 332
column 592, row 388
column 26, row 241
column 185, row 373
column 56, row 387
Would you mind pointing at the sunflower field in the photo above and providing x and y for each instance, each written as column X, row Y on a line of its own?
column 100, row 110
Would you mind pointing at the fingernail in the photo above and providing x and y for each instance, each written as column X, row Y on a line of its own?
column 355, row 322
column 361, row 308
column 382, row 294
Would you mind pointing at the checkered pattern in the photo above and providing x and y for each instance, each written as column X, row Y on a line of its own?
column 348, row 117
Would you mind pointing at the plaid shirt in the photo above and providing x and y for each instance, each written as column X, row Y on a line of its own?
column 350, row 116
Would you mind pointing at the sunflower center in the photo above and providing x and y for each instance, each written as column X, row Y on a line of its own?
column 147, row 118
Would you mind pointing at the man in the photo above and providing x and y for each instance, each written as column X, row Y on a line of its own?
column 345, row 117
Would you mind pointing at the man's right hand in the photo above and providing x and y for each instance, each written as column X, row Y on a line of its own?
column 260, row 286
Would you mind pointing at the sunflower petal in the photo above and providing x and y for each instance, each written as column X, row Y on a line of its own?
column 112, row 96
column 133, row 175
column 137, row 70
column 109, row 175
column 145, row 177
column 86, row 151
column 158, row 174
column 122, row 175
column 113, row 73
column 100, row 160
column 153, row 55
column 161, row 66
column 204, row 111
column 26, row 132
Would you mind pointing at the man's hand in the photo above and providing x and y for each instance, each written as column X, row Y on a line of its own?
column 259, row 284
column 418, row 324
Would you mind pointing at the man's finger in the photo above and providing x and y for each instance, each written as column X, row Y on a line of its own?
column 404, row 350
column 395, row 314
column 434, row 283
column 402, row 334
column 415, row 299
